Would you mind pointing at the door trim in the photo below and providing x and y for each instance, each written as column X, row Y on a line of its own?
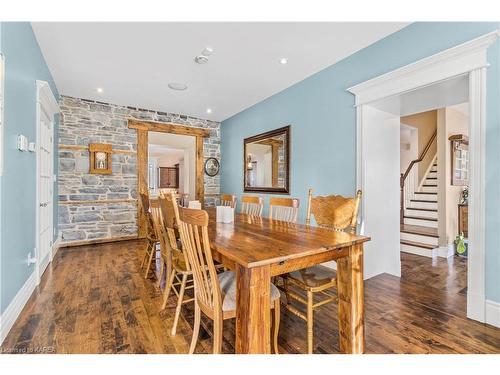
column 143, row 128
column 46, row 101
column 468, row 58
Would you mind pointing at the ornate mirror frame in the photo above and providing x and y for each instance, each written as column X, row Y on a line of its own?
column 271, row 190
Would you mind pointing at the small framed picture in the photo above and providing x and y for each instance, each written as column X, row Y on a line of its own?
column 212, row 167
column 100, row 158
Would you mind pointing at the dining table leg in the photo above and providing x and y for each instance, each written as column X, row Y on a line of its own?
column 351, row 301
column 253, row 303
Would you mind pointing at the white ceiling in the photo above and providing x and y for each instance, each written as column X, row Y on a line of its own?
column 134, row 62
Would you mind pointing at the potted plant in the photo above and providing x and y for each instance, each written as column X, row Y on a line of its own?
column 461, row 245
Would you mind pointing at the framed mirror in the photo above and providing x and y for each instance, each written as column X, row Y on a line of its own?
column 266, row 162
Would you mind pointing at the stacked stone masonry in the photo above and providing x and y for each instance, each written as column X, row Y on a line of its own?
column 83, row 122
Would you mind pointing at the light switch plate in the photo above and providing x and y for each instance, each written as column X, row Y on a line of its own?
column 32, row 147
column 22, row 142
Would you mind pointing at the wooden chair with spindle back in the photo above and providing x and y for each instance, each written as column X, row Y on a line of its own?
column 215, row 294
column 284, row 209
column 179, row 279
column 228, row 200
column 150, row 252
column 251, row 205
column 336, row 213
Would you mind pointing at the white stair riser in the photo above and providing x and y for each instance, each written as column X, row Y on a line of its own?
column 426, row 197
column 429, row 189
column 418, row 251
column 432, row 174
column 430, row 205
column 419, row 238
column 422, row 223
column 429, row 214
column 430, row 182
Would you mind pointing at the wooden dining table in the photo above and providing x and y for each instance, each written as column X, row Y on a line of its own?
column 257, row 249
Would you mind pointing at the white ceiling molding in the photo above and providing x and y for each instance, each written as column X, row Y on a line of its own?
column 449, row 63
column 45, row 96
column 133, row 62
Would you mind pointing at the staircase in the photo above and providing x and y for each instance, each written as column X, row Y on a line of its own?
column 419, row 233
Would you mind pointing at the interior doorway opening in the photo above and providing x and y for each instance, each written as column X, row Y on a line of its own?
column 172, row 164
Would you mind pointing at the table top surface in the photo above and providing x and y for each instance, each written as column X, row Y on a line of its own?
column 256, row 241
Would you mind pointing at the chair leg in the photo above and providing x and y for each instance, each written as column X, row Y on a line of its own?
column 166, row 292
column 285, row 286
column 151, row 247
column 196, row 328
column 146, row 253
column 179, row 304
column 276, row 325
column 309, row 322
column 163, row 269
column 218, row 325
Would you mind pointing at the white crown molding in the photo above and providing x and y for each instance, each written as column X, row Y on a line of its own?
column 11, row 313
column 45, row 96
column 449, row 63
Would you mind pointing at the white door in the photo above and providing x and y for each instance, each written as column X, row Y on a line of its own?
column 380, row 160
column 45, row 183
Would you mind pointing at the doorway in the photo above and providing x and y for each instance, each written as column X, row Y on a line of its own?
column 144, row 128
column 46, row 108
column 379, row 103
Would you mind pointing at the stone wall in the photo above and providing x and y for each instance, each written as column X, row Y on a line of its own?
column 83, row 122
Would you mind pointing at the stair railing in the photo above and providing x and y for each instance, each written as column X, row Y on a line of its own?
column 404, row 176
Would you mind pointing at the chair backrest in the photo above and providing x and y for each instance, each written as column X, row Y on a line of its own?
column 228, row 200
column 161, row 234
column 144, row 198
column 334, row 211
column 284, row 209
column 193, row 227
column 170, row 215
column 252, row 205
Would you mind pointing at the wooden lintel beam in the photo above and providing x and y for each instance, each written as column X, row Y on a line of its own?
column 166, row 127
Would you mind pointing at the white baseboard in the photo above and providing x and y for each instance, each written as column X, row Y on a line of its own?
column 493, row 313
column 11, row 313
column 445, row 251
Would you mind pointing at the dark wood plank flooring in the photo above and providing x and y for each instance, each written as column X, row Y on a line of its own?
column 93, row 299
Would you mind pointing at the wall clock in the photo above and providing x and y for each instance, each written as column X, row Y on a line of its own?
column 212, row 167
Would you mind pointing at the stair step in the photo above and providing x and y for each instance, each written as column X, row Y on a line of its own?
column 422, row 200
column 422, row 209
column 418, row 244
column 422, row 231
column 427, row 185
column 420, row 218
column 421, row 212
column 423, row 204
column 426, row 192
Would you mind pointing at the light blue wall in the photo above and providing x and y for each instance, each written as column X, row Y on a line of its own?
column 322, row 116
column 24, row 64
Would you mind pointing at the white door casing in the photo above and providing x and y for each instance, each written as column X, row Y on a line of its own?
column 468, row 58
column 46, row 109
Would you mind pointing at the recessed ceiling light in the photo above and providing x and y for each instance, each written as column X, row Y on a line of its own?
column 283, row 61
column 207, row 51
column 201, row 59
column 177, row 86
column 209, row 110
column 100, row 90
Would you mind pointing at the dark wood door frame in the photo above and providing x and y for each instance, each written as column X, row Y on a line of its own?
column 143, row 128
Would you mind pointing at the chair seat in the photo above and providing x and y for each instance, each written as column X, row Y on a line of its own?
column 313, row 277
column 227, row 282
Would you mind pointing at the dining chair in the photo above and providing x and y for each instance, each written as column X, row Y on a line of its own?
column 252, row 205
column 150, row 252
column 284, row 209
column 180, row 277
column 215, row 294
column 228, row 200
column 336, row 213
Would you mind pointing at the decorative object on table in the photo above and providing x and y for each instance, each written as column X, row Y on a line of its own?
column 459, row 159
column 266, row 162
column 212, row 167
column 224, row 214
column 196, row 205
column 100, row 158
column 461, row 245
column 464, row 197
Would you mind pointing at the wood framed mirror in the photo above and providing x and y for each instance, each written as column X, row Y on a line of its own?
column 266, row 162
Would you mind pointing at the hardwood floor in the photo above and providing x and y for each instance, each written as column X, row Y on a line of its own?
column 93, row 299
